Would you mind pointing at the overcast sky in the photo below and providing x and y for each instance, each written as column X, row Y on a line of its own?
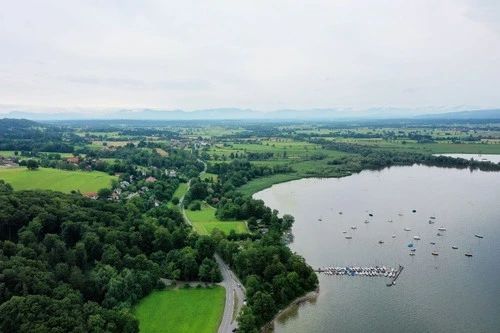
column 263, row 55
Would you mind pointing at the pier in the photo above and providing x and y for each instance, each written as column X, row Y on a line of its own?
column 393, row 282
column 371, row 271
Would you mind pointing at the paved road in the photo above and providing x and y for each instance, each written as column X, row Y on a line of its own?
column 234, row 293
column 230, row 282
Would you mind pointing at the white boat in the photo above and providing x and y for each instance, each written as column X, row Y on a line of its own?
column 478, row 236
column 348, row 237
column 412, row 253
column 407, row 229
column 344, row 232
column 442, row 229
column 416, row 237
column 454, row 247
column 354, row 228
column 393, row 236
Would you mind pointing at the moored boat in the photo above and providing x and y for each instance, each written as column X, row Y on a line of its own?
column 435, row 253
column 478, row 236
column 454, row 247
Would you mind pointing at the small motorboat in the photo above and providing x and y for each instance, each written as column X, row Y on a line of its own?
column 340, row 213
column 370, row 214
column 435, row 253
column 454, row 247
column 433, row 243
column 366, row 221
column 354, row 227
column 432, row 217
column 393, row 236
column 416, row 237
column 413, row 250
column 468, row 254
column 344, row 232
column 410, row 245
column 478, row 236
column 412, row 253
column 442, row 229
column 348, row 237
column 390, row 221
column 407, row 229
column 414, row 211
column 439, row 234
column 381, row 242
column 431, row 222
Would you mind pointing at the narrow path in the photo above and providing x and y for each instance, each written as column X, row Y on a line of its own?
column 230, row 282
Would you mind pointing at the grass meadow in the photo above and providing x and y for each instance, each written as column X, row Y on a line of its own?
column 204, row 221
column 54, row 179
column 181, row 310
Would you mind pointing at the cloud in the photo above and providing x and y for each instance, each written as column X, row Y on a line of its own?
column 139, row 84
column 261, row 54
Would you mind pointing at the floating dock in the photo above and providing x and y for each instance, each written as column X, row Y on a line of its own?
column 372, row 271
column 398, row 272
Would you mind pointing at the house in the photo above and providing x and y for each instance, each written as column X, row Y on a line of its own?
column 150, row 179
column 75, row 160
column 124, row 184
column 91, row 195
column 131, row 195
column 171, row 173
column 118, row 191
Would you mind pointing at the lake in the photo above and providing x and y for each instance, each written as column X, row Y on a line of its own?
column 445, row 293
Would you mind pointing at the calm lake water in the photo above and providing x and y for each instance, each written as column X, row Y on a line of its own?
column 445, row 293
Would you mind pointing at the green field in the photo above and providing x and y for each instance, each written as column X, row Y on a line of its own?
column 208, row 175
column 204, row 221
column 54, row 179
column 181, row 310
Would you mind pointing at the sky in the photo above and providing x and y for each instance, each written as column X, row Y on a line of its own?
column 261, row 55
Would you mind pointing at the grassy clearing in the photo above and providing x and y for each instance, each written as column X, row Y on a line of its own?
column 204, row 221
column 181, row 310
column 181, row 190
column 161, row 152
column 6, row 153
column 57, row 180
column 208, row 175
column 260, row 184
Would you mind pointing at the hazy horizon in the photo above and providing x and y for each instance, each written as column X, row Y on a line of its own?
column 88, row 56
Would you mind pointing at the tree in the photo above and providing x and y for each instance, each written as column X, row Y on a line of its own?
column 32, row 164
column 104, row 193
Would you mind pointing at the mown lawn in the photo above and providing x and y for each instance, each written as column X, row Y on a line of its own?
column 181, row 310
column 204, row 221
column 54, row 179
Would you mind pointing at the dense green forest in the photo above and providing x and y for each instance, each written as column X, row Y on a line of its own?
column 73, row 264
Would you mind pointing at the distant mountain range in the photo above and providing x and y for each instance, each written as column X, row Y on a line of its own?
column 234, row 113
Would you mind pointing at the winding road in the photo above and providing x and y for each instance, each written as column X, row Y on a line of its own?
column 235, row 292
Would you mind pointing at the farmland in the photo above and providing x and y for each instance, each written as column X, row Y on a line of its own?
column 57, row 180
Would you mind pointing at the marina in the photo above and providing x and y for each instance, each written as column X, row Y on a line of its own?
column 369, row 271
column 470, row 271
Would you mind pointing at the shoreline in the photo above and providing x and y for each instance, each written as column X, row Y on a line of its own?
column 310, row 296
